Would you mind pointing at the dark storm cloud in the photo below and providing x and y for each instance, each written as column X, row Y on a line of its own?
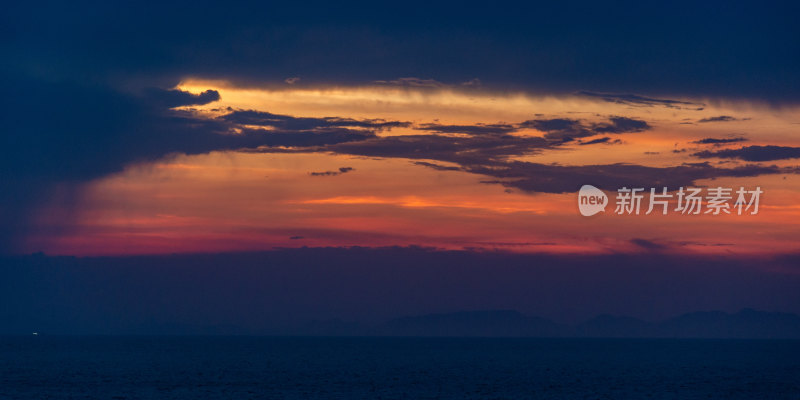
column 176, row 98
column 560, row 129
column 602, row 140
column 716, row 141
column 57, row 134
column 565, row 130
column 473, row 149
column 636, row 100
column 253, row 138
column 712, row 50
column 437, row 167
column 754, row 153
column 477, row 129
column 492, row 156
column 67, row 132
column 721, row 118
column 250, row 117
column 487, row 150
column 342, row 170
column 555, row 125
column 549, row 178
column 621, row 125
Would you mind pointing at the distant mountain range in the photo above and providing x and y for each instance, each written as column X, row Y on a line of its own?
column 745, row 324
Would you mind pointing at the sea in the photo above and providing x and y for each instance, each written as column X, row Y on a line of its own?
column 237, row 367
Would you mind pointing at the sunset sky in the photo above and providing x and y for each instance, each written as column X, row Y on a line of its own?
column 414, row 162
column 201, row 128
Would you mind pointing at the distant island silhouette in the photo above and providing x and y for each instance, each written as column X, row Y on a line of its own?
column 745, row 324
column 396, row 291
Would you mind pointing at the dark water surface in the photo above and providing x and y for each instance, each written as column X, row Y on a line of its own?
column 395, row 368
